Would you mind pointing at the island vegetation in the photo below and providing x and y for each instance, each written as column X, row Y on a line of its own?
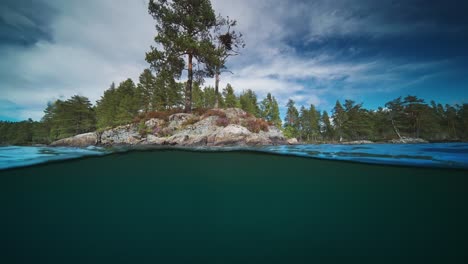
column 193, row 43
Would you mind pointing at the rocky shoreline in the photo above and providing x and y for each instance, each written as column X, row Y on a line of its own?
column 218, row 127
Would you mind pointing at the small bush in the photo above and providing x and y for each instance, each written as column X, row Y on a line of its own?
column 164, row 115
column 222, row 121
column 159, row 115
column 143, row 129
column 214, row 112
column 246, row 115
column 256, row 125
column 200, row 111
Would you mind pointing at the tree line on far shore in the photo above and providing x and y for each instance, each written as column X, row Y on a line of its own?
column 408, row 117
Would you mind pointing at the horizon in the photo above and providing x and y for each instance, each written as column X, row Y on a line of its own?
column 312, row 52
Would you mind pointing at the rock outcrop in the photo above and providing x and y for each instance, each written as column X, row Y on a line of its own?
column 405, row 140
column 82, row 140
column 221, row 127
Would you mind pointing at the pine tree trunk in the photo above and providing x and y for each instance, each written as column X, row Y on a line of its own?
column 216, row 89
column 188, row 89
column 395, row 129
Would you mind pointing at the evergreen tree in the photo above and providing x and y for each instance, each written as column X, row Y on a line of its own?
column 269, row 110
column 183, row 31
column 198, row 97
column 291, row 121
column 128, row 105
column 168, row 93
column 339, row 118
column 209, row 97
column 146, row 91
column 326, row 126
column 106, row 108
column 248, row 102
column 358, row 124
column 230, row 98
column 275, row 113
column 118, row 106
column 396, row 115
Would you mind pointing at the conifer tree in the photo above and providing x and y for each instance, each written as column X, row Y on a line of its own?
column 291, row 121
column 339, row 118
column 248, row 102
column 182, row 32
column 230, row 98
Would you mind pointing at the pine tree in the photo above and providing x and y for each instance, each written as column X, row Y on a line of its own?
column 146, row 91
column 230, row 98
column 198, row 97
column 183, row 31
column 326, row 126
column 291, row 121
column 339, row 118
column 248, row 102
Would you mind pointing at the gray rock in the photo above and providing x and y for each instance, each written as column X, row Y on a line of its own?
column 154, row 123
column 231, row 135
column 292, row 141
column 81, row 140
column 357, row 142
column 176, row 131
column 122, row 135
column 405, row 140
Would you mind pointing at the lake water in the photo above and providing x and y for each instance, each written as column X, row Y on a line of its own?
column 276, row 205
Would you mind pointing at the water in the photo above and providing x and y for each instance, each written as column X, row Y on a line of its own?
column 181, row 206
column 445, row 155
column 13, row 156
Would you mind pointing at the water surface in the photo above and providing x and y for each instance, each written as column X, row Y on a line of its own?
column 174, row 206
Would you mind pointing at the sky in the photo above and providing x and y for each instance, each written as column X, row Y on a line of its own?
column 314, row 52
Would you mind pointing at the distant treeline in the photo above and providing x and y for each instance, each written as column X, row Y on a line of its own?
column 409, row 117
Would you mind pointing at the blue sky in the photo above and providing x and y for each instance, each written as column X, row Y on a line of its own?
column 311, row 51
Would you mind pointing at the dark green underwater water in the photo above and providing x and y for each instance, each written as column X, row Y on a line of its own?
column 199, row 207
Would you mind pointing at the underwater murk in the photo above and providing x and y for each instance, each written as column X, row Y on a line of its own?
column 294, row 204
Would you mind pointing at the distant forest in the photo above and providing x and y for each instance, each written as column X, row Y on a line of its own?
column 130, row 103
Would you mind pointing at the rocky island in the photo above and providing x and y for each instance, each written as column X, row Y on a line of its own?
column 216, row 127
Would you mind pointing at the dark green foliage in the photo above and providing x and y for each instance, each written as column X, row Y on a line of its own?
column 309, row 124
column 339, row 119
column 61, row 119
column 248, row 103
column 269, row 110
column 326, row 128
column 182, row 31
column 119, row 105
column 230, row 98
column 291, row 121
column 23, row 133
column 68, row 118
column 168, row 93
